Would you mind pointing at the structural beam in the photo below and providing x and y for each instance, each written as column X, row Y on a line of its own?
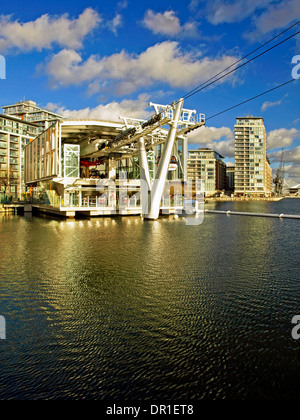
column 144, row 176
column 161, row 175
column 143, row 161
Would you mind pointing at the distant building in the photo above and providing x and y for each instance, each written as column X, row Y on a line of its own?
column 230, row 176
column 207, row 164
column 253, row 174
column 29, row 111
column 295, row 190
column 15, row 134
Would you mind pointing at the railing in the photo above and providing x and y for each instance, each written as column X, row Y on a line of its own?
column 96, row 202
column 104, row 202
column 239, row 213
column 199, row 118
column 175, row 201
column 99, row 203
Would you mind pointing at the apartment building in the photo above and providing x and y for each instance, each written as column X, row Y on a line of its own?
column 253, row 174
column 207, row 164
column 15, row 134
column 29, row 111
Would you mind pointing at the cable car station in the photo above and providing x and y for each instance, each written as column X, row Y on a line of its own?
column 95, row 168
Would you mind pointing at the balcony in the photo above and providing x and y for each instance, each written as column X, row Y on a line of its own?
column 14, row 147
column 15, row 154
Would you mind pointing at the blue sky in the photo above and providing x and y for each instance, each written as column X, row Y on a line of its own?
column 96, row 59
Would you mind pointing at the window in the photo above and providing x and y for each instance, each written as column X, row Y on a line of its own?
column 71, row 161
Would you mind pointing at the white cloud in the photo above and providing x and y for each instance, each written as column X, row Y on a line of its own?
column 219, row 139
column 209, row 134
column 46, row 31
column 266, row 15
column 65, row 68
column 281, row 138
column 168, row 23
column 110, row 112
column 291, row 159
column 266, row 105
column 115, row 23
column 290, row 156
column 194, row 5
column 164, row 63
column 224, row 147
column 234, row 11
column 122, row 5
column 292, row 172
column 279, row 15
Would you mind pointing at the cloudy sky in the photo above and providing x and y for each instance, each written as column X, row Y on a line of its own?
column 99, row 59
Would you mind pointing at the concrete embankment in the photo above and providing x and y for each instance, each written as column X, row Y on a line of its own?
column 5, row 210
column 16, row 208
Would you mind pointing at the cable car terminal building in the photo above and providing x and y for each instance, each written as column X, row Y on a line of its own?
column 95, row 168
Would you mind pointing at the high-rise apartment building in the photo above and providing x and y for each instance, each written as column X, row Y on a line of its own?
column 207, row 164
column 29, row 111
column 15, row 134
column 253, row 174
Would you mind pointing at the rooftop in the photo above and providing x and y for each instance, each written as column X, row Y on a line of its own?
column 19, row 120
column 206, row 149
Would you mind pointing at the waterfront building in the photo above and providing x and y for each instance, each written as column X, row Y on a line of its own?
column 96, row 167
column 253, row 174
column 208, row 165
column 15, row 134
column 29, row 111
column 230, row 176
column 295, row 190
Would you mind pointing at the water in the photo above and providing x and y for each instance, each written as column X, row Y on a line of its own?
column 114, row 309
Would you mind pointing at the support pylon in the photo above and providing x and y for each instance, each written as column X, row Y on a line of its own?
column 161, row 175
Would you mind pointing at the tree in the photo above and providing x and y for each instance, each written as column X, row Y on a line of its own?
column 5, row 181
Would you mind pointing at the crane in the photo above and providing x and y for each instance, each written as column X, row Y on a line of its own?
column 279, row 178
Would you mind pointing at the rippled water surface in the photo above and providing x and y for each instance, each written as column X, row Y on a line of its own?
column 126, row 309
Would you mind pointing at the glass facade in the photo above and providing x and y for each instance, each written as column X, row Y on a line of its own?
column 14, row 136
column 252, row 171
column 71, row 161
column 41, row 156
column 208, row 165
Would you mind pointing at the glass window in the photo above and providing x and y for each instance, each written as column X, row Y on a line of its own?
column 71, row 161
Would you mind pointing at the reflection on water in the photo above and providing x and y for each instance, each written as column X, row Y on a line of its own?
column 126, row 309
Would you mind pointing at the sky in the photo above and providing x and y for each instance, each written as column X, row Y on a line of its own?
column 103, row 60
